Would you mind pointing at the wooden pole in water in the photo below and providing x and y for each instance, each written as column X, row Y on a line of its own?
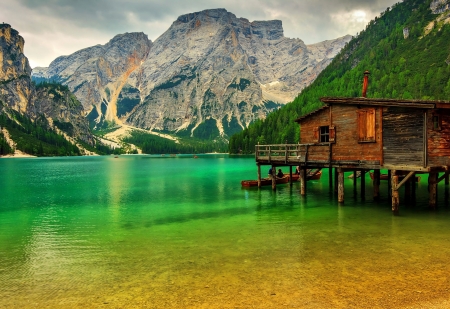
column 259, row 175
column 376, row 185
column 340, row 186
column 330, row 178
column 413, row 191
column 395, row 196
column 290, row 175
column 389, row 183
column 408, row 190
column 363, row 184
column 302, row 182
column 335, row 180
column 432, row 188
column 274, row 177
column 446, row 194
column 355, row 179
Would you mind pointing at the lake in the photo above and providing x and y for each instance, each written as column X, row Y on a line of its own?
column 179, row 232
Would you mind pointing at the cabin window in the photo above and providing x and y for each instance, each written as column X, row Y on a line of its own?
column 436, row 122
column 325, row 134
column 366, row 125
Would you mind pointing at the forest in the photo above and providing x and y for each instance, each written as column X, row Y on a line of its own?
column 152, row 144
column 405, row 50
column 34, row 137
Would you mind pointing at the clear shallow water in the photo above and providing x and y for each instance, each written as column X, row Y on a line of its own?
column 162, row 232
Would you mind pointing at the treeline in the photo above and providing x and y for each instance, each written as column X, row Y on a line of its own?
column 4, row 146
column 152, row 144
column 36, row 137
column 411, row 67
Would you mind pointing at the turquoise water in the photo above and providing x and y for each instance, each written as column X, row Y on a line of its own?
column 163, row 232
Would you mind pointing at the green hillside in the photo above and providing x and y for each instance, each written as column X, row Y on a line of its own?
column 416, row 66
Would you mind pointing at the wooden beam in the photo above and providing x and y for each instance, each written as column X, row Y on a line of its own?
column 389, row 183
column 290, row 175
column 259, row 175
column 302, row 182
column 395, row 196
column 407, row 177
column 376, row 185
column 445, row 176
column 432, row 188
column 274, row 177
column 363, row 184
column 340, row 186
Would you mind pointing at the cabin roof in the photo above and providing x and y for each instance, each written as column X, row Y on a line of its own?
column 387, row 102
column 312, row 113
column 420, row 104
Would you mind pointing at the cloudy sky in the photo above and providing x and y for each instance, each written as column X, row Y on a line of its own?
column 52, row 28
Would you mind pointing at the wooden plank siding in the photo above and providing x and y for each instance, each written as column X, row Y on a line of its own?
column 403, row 136
column 308, row 135
column 348, row 146
column 439, row 139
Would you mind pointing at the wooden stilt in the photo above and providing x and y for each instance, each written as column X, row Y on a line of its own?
column 302, row 182
column 274, row 177
column 340, row 186
column 335, row 180
column 330, row 178
column 259, row 176
column 355, row 179
column 363, row 184
column 408, row 191
column 290, row 175
column 447, row 178
column 432, row 185
column 395, row 195
column 389, row 183
column 413, row 191
column 446, row 196
column 376, row 185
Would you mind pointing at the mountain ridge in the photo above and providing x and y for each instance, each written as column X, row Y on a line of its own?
column 209, row 69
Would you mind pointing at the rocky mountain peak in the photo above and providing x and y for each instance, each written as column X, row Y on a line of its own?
column 13, row 62
column 212, row 15
column 210, row 69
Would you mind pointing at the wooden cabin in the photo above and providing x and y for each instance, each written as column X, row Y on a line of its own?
column 404, row 137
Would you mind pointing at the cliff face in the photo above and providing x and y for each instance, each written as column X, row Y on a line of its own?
column 17, row 91
column 15, row 71
column 209, row 66
column 97, row 75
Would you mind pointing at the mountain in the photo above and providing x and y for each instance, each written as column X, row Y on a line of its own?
column 210, row 74
column 43, row 120
column 407, row 51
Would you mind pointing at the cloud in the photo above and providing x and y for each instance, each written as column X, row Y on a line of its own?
column 60, row 27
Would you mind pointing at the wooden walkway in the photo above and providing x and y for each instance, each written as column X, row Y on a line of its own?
column 319, row 155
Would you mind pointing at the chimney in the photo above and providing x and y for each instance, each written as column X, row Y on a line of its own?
column 365, row 84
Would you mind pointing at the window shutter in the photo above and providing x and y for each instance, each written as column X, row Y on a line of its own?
column 361, row 125
column 332, row 134
column 370, row 125
column 316, row 134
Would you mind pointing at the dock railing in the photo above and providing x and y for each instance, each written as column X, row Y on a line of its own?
column 291, row 153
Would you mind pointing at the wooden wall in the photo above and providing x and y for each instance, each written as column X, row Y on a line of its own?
column 439, row 140
column 403, row 138
column 348, row 146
